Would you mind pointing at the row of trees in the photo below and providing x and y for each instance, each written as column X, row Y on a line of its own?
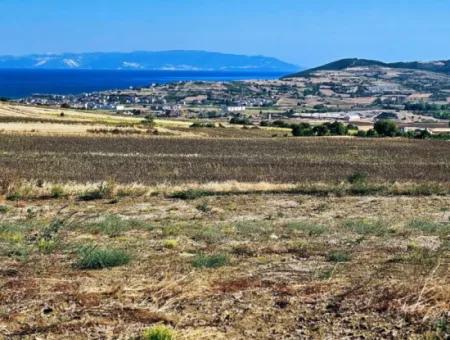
column 382, row 128
column 440, row 111
column 326, row 129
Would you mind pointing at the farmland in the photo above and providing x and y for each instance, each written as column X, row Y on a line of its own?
column 218, row 233
column 177, row 160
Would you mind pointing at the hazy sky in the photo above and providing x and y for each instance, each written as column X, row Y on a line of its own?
column 305, row 32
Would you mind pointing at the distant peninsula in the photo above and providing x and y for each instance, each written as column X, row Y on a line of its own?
column 180, row 60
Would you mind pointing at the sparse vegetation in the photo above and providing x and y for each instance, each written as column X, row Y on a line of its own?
column 210, row 261
column 158, row 333
column 338, row 256
column 310, row 229
column 367, row 227
column 92, row 257
column 430, row 227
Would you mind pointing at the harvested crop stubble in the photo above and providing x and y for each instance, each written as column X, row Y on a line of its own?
column 179, row 160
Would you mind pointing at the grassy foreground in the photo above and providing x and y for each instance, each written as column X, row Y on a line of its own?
column 254, row 265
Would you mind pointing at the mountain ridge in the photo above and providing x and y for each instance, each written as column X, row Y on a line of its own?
column 440, row 66
column 174, row 60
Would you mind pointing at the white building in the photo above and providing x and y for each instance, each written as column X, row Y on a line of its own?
column 352, row 117
column 236, row 108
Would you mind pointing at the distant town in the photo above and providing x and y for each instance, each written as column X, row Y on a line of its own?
column 359, row 95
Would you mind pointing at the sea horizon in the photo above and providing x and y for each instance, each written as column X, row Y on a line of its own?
column 20, row 83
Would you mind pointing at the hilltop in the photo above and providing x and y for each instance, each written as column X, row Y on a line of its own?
column 143, row 60
column 442, row 66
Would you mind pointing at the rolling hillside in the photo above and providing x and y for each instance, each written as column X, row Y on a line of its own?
column 433, row 66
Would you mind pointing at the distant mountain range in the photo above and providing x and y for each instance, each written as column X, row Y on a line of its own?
column 442, row 66
column 164, row 60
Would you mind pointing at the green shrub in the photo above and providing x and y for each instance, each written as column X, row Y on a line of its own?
column 91, row 257
column 4, row 209
column 338, row 256
column 210, row 125
column 159, row 332
column 210, row 261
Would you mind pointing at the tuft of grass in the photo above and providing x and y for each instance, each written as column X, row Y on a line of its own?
column 170, row 244
column 210, row 261
column 367, row 227
column 429, row 227
column 57, row 191
column 14, row 196
column 255, row 229
column 113, row 225
column 47, row 246
column 172, row 230
column 91, row 257
column 208, row 235
column 159, row 332
column 338, row 256
column 4, row 209
column 12, row 232
column 310, row 229
column 417, row 255
column 104, row 190
column 18, row 251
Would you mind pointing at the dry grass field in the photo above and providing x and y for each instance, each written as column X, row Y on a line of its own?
column 258, row 266
column 176, row 160
column 222, row 234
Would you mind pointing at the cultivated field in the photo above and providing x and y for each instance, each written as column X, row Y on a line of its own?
column 224, row 233
column 178, row 160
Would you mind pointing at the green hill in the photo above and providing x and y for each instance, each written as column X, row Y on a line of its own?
column 434, row 66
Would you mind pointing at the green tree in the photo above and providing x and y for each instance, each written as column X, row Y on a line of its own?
column 386, row 128
column 302, row 129
column 372, row 133
column 321, row 130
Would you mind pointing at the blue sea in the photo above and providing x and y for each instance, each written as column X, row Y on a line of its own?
column 22, row 83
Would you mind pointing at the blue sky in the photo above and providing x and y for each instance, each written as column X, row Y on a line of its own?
column 305, row 32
